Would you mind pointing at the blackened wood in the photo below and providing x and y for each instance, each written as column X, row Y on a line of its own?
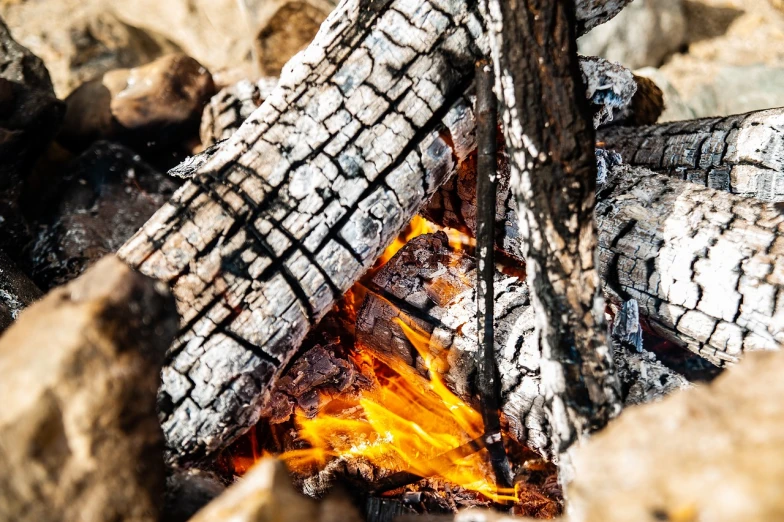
column 291, row 210
column 551, row 149
column 486, row 187
column 742, row 154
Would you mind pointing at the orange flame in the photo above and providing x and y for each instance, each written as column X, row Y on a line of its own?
column 406, row 423
column 417, row 227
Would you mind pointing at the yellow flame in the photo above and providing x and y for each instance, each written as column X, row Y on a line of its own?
column 406, row 423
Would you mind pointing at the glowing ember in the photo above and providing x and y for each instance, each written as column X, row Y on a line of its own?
column 406, row 423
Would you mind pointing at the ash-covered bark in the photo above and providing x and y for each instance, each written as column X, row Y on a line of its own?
column 289, row 212
column 551, row 155
column 742, row 154
column 228, row 109
column 591, row 13
column 706, row 267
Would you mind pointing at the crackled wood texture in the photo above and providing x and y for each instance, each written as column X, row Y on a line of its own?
column 432, row 288
column 550, row 141
column 742, row 154
column 291, row 210
column 706, row 267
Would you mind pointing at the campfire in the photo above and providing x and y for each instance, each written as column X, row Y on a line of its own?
column 441, row 267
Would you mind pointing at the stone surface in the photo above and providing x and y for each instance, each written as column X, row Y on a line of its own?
column 79, row 370
column 643, row 34
column 152, row 106
column 187, row 491
column 29, row 117
column 80, row 40
column 710, row 453
column 101, row 199
column 266, row 493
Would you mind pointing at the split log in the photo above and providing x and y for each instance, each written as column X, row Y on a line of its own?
column 742, row 154
column 292, row 209
column 79, row 371
column 737, row 296
column 430, row 287
column 550, row 141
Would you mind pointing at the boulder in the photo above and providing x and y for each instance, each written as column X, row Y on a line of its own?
column 103, row 197
column 79, row 372
column 150, row 106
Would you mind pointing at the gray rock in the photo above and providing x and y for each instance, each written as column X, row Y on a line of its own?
column 643, row 34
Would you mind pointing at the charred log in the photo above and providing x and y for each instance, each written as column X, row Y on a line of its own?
column 742, row 154
column 551, row 156
column 16, row 292
column 302, row 200
column 705, row 266
column 430, row 287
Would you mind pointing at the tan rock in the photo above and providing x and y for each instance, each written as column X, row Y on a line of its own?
column 715, row 452
column 79, row 371
column 154, row 104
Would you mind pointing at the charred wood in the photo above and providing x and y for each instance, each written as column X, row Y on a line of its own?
column 742, row 154
column 550, row 141
column 705, row 266
column 302, row 200
column 431, row 287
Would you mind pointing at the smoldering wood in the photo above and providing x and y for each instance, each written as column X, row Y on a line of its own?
column 750, row 316
column 228, row 109
column 431, row 287
column 742, row 154
column 17, row 291
column 550, row 141
column 705, row 266
column 291, row 210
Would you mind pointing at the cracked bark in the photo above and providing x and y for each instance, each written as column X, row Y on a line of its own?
column 291, row 210
column 706, row 267
column 551, row 151
column 616, row 96
column 283, row 217
column 742, row 154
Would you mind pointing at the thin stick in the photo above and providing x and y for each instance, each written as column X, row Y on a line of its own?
column 486, row 188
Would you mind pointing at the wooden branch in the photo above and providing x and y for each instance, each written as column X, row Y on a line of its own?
column 431, row 287
column 486, row 188
column 290, row 211
column 742, row 154
column 551, row 150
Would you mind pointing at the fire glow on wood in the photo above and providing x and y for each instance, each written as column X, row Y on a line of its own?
column 405, row 422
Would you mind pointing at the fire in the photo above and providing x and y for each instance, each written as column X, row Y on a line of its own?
column 406, row 423
column 417, row 227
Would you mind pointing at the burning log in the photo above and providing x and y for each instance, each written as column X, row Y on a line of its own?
column 742, row 154
column 79, row 370
column 284, row 218
column 550, row 139
column 301, row 201
column 426, row 295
